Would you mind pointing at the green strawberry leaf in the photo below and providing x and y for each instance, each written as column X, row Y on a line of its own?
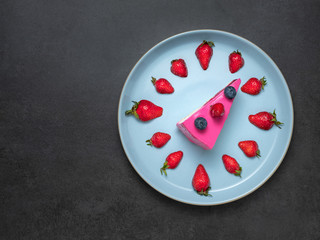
column 205, row 193
column 163, row 169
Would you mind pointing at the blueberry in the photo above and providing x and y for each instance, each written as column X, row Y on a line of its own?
column 200, row 123
column 230, row 92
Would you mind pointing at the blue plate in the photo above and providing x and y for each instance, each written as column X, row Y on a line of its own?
column 191, row 93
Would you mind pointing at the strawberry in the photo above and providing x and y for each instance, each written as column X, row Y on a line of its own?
column 162, row 85
column 253, row 86
column 217, row 110
column 231, row 165
column 235, row 61
column 204, row 53
column 159, row 139
column 179, row 68
column 172, row 161
column 145, row 110
column 265, row 120
column 250, row 148
column 201, row 181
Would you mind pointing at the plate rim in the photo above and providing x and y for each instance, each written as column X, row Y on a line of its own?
column 292, row 117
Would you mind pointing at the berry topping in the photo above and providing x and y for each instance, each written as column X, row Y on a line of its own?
column 230, row 92
column 217, row 110
column 200, row 123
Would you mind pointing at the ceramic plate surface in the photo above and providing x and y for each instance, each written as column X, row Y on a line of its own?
column 191, row 93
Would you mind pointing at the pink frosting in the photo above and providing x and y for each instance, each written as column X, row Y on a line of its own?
column 207, row 138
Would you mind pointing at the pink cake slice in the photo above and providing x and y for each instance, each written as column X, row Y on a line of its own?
column 207, row 138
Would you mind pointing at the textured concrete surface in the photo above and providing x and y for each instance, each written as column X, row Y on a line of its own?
column 63, row 172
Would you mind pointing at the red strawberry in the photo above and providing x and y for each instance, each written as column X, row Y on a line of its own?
column 159, row 139
column 179, row 68
column 172, row 161
column 231, row 165
column 162, row 85
column 235, row 61
column 217, row 110
column 265, row 120
column 145, row 110
column 204, row 53
column 201, row 181
column 253, row 86
column 250, row 148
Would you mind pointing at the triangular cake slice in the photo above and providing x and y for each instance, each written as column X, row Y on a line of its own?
column 206, row 138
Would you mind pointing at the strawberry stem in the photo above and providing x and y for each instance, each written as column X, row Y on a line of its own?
column 210, row 43
column 133, row 110
column 263, row 82
column 149, row 143
column 205, row 193
column 163, row 169
column 258, row 153
column 238, row 172
column 276, row 122
column 153, row 80
column 237, row 52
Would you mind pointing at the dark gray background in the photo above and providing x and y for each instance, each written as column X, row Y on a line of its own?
column 64, row 174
